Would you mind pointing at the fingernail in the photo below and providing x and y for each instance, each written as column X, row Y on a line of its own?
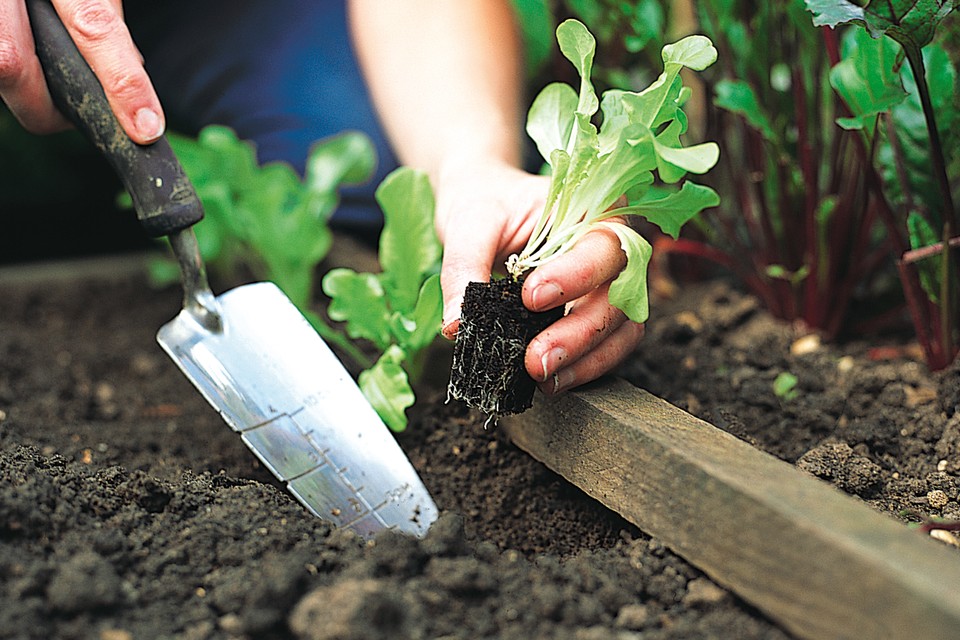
column 545, row 295
column 449, row 329
column 563, row 380
column 148, row 123
column 550, row 361
column 451, row 317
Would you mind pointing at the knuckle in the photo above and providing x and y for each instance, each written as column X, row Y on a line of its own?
column 11, row 62
column 125, row 84
column 96, row 20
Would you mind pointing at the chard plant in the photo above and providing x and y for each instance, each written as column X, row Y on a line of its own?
column 591, row 168
column 398, row 310
column 635, row 152
column 820, row 221
column 904, row 114
column 798, row 229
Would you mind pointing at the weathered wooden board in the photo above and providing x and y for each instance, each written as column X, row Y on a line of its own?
column 819, row 561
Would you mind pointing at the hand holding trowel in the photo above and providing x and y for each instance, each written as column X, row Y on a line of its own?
column 250, row 352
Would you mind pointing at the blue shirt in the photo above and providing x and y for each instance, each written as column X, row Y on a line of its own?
column 281, row 73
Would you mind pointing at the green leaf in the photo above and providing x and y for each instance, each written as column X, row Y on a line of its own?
column 909, row 22
column 696, row 52
column 347, row 158
column 780, row 272
column 739, row 97
column 672, row 211
column 358, row 299
column 387, row 388
column 913, row 159
column 832, row 13
column 267, row 217
column 696, row 159
column 426, row 315
column 409, row 248
column 550, row 119
column 628, row 292
column 578, row 46
column 785, row 386
column 867, row 80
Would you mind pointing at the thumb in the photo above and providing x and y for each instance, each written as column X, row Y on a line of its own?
column 465, row 260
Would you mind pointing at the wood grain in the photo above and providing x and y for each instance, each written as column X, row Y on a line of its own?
column 822, row 563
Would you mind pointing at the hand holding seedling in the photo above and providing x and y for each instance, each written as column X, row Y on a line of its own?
column 97, row 28
column 577, row 251
column 485, row 214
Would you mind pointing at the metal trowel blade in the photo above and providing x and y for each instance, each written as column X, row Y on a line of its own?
column 278, row 384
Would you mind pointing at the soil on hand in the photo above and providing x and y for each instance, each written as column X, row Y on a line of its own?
column 128, row 509
column 488, row 370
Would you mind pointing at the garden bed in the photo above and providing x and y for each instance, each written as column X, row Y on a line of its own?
column 128, row 509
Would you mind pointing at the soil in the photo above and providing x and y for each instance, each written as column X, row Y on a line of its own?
column 488, row 371
column 129, row 510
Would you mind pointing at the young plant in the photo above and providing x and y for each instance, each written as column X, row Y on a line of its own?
column 399, row 309
column 917, row 106
column 798, row 230
column 266, row 218
column 785, row 386
column 639, row 135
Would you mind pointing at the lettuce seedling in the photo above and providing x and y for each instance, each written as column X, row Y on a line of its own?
column 266, row 218
column 592, row 168
column 399, row 309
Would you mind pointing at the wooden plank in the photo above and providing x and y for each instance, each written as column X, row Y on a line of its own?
column 822, row 563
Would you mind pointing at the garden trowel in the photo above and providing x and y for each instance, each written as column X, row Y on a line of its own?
column 249, row 351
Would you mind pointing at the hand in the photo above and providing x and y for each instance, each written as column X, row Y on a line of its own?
column 485, row 212
column 97, row 28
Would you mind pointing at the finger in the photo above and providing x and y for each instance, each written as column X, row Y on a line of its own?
column 22, row 86
column 103, row 39
column 596, row 258
column 468, row 256
column 607, row 355
column 589, row 321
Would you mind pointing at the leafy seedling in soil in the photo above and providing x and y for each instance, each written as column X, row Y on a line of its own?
column 398, row 310
column 590, row 170
column 265, row 219
column 785, row 386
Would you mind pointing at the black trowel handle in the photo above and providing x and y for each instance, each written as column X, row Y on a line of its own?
column 165, row 200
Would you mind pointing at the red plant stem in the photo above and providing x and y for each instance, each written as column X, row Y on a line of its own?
column 920, row 315
column 915, row 58
column 861, row 223
column 947, row 300
column 832, row 43
column 750, row 260
column 895, row 233
column 769, row 236
column 685, row 246
column 811, row 290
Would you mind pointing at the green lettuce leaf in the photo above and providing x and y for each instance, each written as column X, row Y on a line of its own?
column 387, row 387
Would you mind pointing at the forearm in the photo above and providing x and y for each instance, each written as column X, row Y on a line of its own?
column 445, row 77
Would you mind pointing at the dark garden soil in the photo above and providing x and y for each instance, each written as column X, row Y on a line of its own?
column 487, row 371
column 129, row 510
